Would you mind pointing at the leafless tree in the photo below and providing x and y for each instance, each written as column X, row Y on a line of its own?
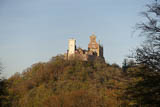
column 145, row 92
column 149, row 53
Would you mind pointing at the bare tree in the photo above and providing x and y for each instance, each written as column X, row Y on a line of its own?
column 149, row 53
column 143, row 89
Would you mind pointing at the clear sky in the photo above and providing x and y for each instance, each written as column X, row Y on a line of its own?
column 33, row 31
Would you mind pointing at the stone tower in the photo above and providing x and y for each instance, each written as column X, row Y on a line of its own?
column 94, row 48
column 71, row 47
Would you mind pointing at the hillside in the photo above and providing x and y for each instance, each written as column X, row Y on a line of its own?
column 62, row 83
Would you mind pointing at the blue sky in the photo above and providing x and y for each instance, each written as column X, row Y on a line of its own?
column 33, row 31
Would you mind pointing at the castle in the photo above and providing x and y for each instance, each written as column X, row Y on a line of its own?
column 94, row 51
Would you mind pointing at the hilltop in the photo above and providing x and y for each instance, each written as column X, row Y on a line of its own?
column 66, row 83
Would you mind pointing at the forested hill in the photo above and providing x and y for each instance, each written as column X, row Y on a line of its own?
column 63, row 83
column 76, row 83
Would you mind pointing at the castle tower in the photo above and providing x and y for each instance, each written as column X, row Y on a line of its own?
column 71, row 47
column 94, row 47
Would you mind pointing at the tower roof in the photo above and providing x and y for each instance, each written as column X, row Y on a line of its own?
column 93, row 38
column 93, row 35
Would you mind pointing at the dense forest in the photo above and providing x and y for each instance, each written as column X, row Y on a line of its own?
column 66, row 83
column 77, row 83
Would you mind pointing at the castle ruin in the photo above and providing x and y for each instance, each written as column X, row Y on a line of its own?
column 95, row 50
